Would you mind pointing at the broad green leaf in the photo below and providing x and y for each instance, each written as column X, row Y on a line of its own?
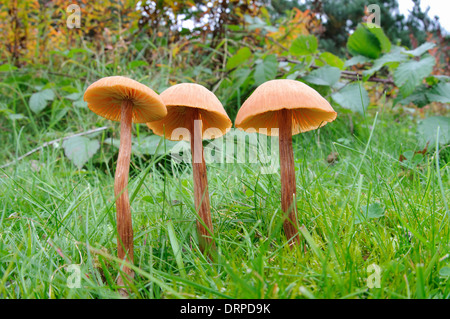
column 148, row 199
column 373, row 211
column 431, row 80
column 7, row 67
column 393, row 56
column 74, row 96
column 353, row 97
column 423, row 95
column 304, row 45
column 421, row 49
column 254, row 22
column 266, row 70
column 18, row 116
column 364, row 42
column 358, row 59
column 418, row 98
column 412, row 159
column 326, row 75
column 149, row 145
column 439, row 93
column 240, row 57
column 442, row 77
column 409, row 74
column 38, row 101
column 427, row 131
column 444, row 271
column 240, row 75
column 80, row 149
column 330, row 59
column 80, row 103
column 77, row 99
column 382, row 38
column 200, row 69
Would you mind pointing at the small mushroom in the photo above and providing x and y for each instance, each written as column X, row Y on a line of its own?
column 293, row 107
column 194, row 108
column 124, row 100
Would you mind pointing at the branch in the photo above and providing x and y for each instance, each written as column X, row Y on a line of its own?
column 53, row 142
column 351, row 75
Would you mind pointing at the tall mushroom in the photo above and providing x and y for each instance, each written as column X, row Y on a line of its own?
column 124, row 100
column 293, row 107
column 195, row 108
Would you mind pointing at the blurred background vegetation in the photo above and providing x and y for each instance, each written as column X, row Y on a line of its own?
column 229, row 46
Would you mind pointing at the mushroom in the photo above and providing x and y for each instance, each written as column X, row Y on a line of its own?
column 293, row 107
column 194, row 108
column 124, row 100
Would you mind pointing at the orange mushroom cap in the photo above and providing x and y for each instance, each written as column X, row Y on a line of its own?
column 105, row 96
column 180, row 100
column 309, row 109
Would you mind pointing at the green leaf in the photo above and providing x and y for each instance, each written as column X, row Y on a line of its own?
column 18, row 116
column 393, row 56
column 421, row 49
column 149, row 145
column 148, row 199
column 427, row 131
column 80, row 149
column 444, row 271
column 331, row 60
column 304, row 45
column 240, row 57
column 38, row 101
column 353, row 97
column 382, row 38
column 7, row 67
column 409, row 74
column 439, row 93
column 240, row 76
column 80, row 103
column 74, row 96
column 326, row 75
column 445, row 78
column 419, row 98
column 422, row 95
column 77, row 99
column 374, row 211
column 266, row 70
column 364, row 42
column 358, row 59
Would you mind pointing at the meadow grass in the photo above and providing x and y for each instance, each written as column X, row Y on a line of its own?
column 53, row 215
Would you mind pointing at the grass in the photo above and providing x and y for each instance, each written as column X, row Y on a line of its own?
column 53, row 215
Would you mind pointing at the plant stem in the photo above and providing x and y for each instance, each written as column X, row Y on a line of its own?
column 201, row 194
column 124, row 224
column 288, row 187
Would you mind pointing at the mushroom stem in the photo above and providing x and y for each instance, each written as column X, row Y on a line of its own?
column 288, row 187
column 124, row 224
column 201, row 194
